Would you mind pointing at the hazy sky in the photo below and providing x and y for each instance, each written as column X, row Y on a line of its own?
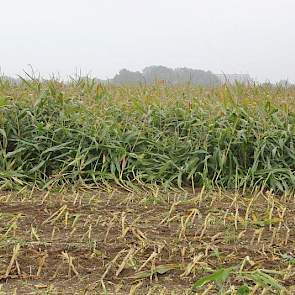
column 102, row 36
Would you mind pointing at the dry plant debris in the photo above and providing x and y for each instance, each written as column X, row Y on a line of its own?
column 149, row 241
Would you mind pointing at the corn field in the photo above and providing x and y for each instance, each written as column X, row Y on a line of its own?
column 231, row 137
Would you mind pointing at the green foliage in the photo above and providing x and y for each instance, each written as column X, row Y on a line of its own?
column 243, row 290
column 264, row 280
column 57, row 134
column 220, row 276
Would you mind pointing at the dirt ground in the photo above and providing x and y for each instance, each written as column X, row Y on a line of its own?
column 110, row 241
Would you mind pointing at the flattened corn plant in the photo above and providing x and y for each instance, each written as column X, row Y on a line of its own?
column 237, row 137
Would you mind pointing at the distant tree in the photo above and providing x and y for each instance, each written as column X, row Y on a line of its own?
column 154, row 74
column 196, row 77
column 179, row 76
column 128, row 77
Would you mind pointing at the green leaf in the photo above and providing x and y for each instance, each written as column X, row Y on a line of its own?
column 37, row 167
column 243, row 290
column 264, row 280
column 219, row 276
column 55, row 148
column 13, row 153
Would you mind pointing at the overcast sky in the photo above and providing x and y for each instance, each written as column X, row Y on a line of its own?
column 99, row 37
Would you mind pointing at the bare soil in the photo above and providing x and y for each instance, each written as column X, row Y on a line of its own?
column 109, row 241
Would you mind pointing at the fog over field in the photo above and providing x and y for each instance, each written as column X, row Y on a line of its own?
column 102, row 37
